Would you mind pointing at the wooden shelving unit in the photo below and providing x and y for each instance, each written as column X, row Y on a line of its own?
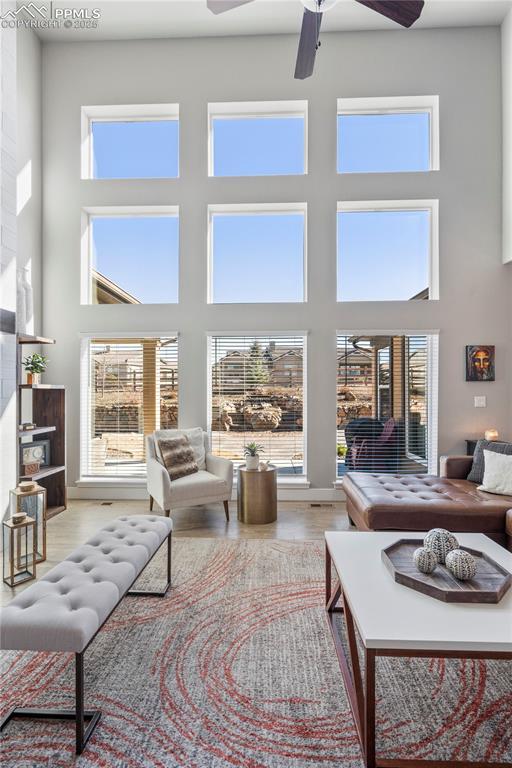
column 48, row 408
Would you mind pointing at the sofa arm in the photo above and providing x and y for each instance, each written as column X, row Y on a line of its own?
column 220, row 467
column 455, row 467
column 159, row 483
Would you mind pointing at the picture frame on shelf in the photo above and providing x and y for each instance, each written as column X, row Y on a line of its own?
column 36, row 451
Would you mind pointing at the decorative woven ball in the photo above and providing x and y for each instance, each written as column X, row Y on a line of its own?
column 441, row 542
column 425, row 560
column 461, row 564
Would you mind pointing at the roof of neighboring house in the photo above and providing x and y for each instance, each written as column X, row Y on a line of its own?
column 108, row 292
column 232, row 353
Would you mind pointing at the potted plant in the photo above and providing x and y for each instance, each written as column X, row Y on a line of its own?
column 252, row 455
column 341, row 451
column 35, row 365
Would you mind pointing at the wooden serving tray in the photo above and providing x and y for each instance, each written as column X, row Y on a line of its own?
column 488, row 586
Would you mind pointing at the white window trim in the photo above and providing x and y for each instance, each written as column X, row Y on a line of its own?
column 255, row 109
column 432, row 386
column 113, row 211
column 285, row 479
column 118, row 113
column 248, row 209
column 403, row 205
column 382, row 105
column 85, row 409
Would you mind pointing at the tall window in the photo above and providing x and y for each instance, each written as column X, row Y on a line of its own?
column 129, row 389
column 387, row 250
column 257, row 138
column 388, row 135
column 257, row 395
column 138, row 141
column 387, row 403
column 130, row 255
column 257, row 253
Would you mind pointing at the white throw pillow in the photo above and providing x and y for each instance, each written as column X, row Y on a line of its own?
column 497, row 473
column 195, row 438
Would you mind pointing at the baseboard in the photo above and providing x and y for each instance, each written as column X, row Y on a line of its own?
column 109, row 492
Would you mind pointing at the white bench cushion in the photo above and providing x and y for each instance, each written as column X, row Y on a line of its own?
column 66, row 607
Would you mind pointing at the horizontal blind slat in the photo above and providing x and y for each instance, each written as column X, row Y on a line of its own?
column 131, row 389
column 385, row 404
column 257, row 395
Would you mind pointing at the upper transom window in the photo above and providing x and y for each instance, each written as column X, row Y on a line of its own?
column 130, row 255
column 388, row 250
column 130, row 142
column 388, row 135
column 264, row 138
column 257, row 253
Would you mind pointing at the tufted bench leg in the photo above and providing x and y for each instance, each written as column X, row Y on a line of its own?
column 144, row 593
column 79, row 714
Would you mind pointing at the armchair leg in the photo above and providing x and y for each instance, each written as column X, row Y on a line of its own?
column 226, row 510
column 151, row 501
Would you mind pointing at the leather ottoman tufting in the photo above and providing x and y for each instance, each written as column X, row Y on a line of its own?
column 380, row 502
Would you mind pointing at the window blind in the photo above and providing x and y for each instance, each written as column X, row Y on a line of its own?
column 129, row 389
column 387, row 403
column 257, row 395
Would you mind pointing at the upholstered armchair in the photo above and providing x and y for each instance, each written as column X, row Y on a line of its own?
column 212, row 483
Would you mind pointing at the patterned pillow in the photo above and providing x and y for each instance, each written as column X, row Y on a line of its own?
column 476, row 474
column 178, row 456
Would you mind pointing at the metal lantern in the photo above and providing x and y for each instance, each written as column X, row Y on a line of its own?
column 29, row 500
column 19, row 551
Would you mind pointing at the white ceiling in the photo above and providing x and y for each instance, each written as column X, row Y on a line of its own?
column 132, row 19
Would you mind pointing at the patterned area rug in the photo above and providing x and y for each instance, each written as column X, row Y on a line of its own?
column 236, row 667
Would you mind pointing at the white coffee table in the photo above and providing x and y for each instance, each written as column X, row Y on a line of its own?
column 393, row 620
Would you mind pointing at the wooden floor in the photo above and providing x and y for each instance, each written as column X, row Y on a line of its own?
column 83, row 518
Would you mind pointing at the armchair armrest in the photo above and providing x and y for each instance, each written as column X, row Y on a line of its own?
column 220, row 467
column 455, row 467
column 159, row 483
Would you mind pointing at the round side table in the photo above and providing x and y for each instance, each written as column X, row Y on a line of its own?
column 257, row 495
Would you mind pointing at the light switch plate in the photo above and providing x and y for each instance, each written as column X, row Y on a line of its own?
column 480, row 401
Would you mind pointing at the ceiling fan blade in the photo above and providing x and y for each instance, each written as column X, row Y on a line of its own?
column 308, row 43
column 404, row 12
column 219, row 6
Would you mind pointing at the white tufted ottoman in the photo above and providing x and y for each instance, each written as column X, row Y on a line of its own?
column 67, row 607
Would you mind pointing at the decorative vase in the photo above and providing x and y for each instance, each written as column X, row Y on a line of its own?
column 33, row 378
column 425, row 560
column 461, row 564
column 252, row 462
column 441, row 542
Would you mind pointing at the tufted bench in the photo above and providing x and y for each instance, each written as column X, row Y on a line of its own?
column 67, row 607
column 380, row 502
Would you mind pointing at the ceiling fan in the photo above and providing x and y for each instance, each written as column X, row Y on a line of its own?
column 403, row 12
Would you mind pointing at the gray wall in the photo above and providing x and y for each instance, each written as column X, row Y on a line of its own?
column 475, row 286
column 506, row 87
column 7, row 259
column 28, row 151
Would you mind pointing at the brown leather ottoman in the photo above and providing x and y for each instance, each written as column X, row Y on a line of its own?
column 378, row 502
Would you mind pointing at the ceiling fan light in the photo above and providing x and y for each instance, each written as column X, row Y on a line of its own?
column 319, row 6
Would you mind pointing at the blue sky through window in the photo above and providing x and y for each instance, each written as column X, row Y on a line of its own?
column 383, row 255
column 258, row 257
column 139, row 254
column 384, row 143
column 139, row 149
column 258, row 146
